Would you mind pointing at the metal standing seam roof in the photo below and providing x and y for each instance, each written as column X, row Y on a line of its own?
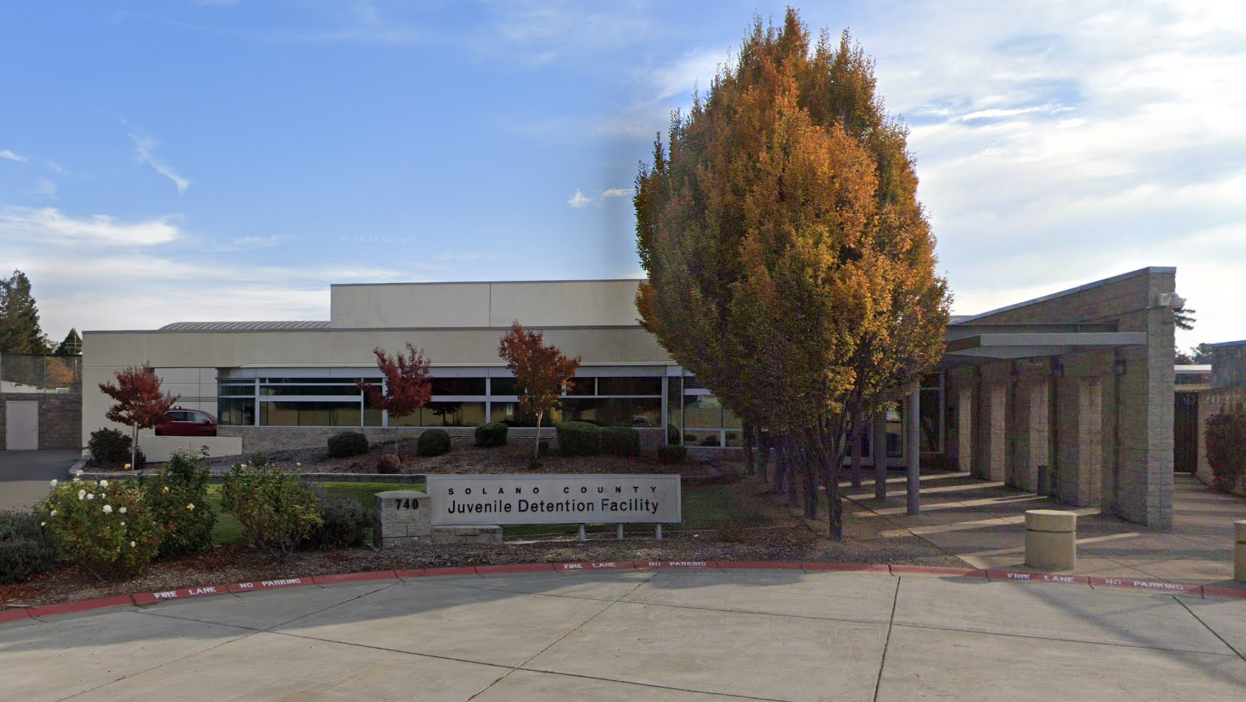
column 243, row 326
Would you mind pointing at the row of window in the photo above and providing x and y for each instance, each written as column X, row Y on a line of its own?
column 233, row 411
column 580, row 387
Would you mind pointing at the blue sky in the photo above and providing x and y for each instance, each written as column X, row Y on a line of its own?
column 201, row 160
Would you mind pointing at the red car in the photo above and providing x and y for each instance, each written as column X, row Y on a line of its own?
column 187, row 422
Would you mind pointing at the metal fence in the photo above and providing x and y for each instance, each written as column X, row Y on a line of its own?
column 40, row 373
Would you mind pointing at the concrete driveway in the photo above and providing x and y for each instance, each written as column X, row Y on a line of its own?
column 688, row 635
column 25, row 476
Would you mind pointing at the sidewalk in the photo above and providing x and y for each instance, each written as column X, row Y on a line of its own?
column 983, row 523
column 689, row 635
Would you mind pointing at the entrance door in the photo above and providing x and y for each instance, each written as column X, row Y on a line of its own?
column 1185, row 433
column 21, row 425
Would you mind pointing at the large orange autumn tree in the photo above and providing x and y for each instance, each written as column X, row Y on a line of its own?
column 790, row 265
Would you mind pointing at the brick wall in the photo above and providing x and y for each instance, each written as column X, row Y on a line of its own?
column 1111, row 433
column 60, row 419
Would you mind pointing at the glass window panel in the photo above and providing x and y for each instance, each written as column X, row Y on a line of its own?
column 735, row 439
column 411, row 420
column 309, row 414
column 235, row 412
column 730, row 421
column 629, row 386
column 502, row 386
column 509, row 413
column 310, row 381
column 930, row 381
column 232, row 389
column 453, row 414
column 297, row 390
column 674, row 393
column 458, row 386
column 702, row 411
column 583, row 386
column 372, row 417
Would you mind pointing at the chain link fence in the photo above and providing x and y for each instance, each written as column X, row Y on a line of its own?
column 40, row 373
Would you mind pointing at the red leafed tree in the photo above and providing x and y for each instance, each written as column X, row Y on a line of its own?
column 407, row 382
column 542, row 372
column 140, row 403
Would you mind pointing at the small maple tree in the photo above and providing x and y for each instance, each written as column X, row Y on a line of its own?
column 140, row 402
column 542, row 373
column 408, row 385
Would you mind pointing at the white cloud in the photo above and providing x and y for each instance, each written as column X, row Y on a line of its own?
column 144, row 146
column 257, row 242
column 49, row 225
column 617, row 192
column 10, row 156
column 44, row 189
column 579, row 200
column 465, row 257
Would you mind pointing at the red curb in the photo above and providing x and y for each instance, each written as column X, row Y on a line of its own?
column 81, row 605
column 12, row 615
column 931, row 570
column 413, row 573
column 355, row 577
column 848, row 567
column 1208, row 591
column 663, row 565
column 521, row 568
column 758, row 565
column 599, row 565
column 466, row 570
column 270, row 584
column 1153, row 585
column 184, row 593
column 1022, row 576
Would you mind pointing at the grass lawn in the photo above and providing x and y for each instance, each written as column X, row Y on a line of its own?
column 228, row 530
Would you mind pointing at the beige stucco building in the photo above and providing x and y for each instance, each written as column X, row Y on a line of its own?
column 1074, row 388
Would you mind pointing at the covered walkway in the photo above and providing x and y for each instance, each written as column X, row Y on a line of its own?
column 983, row 523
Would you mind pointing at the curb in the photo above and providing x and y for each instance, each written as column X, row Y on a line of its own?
column 154, row 598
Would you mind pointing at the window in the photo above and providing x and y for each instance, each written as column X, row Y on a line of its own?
column 629, row 386
column 310, row 414
column 236, row 412
column 458, row 386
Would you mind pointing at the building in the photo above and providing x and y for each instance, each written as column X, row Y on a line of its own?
column 1073, row 390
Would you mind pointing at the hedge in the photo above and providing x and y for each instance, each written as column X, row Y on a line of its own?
column 620, row 441
column 578, row 438
column 491, row 434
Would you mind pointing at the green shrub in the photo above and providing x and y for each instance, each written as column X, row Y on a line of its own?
column 672, row 435
column 578, row 438
column 389, row 464
column 1226, row 448
column 110, row 447
column 542, row 447
column 343, row 521
column 275, row 511
column 672, row 454
column 491, row 434
column 620, row 441
column 348, row 443
column 182, row 481
column 26, row 549
column 433, row 442
column 103, row 526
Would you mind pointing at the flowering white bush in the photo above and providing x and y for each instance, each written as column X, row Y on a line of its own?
column 96, row 537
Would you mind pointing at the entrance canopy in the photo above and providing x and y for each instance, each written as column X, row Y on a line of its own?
column 973, row 344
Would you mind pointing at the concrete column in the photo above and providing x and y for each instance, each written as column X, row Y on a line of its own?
column 1081, row 440
column 913, row 452
column 964, row 428
column 1030, row 433
column 879, row 455
column 991, row 440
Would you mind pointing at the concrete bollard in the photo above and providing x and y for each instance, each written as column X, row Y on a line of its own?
column 1239, row 551
column 1050, row 539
